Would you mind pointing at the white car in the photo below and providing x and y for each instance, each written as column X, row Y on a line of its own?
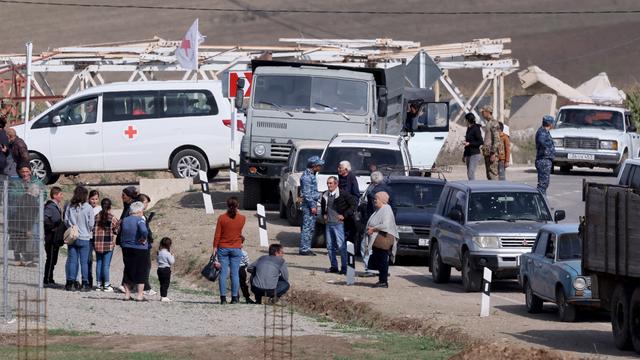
column 301, row 151
column 157, row 125
column 594, row 136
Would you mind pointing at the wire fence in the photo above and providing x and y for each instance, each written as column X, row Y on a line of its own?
column 21, row 246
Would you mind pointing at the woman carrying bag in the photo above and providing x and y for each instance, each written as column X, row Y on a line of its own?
column 227, row 246
column 382, row 238
column 79, row 215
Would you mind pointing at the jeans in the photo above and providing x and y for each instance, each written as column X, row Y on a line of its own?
column 502, row 171
column 103, row 263
column 279, row 291
column 229, row 258
column 164, row 276
column 334, row 234
column 79, row 251
column 472, row 164
column 380, row 261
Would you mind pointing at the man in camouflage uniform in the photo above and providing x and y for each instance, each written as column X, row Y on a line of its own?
column 491, row 142
column 310, row 197
column 545, row 152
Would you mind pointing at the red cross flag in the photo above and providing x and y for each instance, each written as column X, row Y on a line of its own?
column 187, row 52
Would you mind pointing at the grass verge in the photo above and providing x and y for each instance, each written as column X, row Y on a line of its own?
column 79, row 352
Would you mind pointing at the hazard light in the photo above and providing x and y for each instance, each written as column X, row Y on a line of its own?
column 240, row 124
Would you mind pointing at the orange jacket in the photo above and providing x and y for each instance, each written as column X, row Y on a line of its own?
column 506, row 154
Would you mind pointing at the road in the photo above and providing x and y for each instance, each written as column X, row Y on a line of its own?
column 413, row 294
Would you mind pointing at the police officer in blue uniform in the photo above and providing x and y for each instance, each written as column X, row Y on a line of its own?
column 545, row 152
column 310, row 196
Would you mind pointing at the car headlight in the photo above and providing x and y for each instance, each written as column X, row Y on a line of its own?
column 259, row 149
column 558, row 142
column 486, row 241
column 608, row 145
column 404, row 229
column 580, row 283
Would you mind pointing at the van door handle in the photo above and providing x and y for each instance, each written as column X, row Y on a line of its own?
column 92, row 132
column 439, row 138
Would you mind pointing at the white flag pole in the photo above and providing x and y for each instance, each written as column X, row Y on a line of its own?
column 27, row 102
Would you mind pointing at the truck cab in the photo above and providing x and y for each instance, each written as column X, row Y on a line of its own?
column 594, row 136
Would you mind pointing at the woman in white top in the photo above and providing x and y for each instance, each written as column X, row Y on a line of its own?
column 381, row 225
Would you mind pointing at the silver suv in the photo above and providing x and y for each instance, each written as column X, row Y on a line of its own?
column 485, row 224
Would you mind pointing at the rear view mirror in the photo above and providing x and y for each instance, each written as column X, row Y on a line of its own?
column 559, row 215
column 56, row 120
column 239, row 93
column 382, row 102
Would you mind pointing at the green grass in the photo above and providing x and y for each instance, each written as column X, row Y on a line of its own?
column 144, row 174
column 65, row 332
column 390, row 345
column 78, row 352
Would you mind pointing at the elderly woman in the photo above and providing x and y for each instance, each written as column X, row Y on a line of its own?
column 135, row 251
column 382, row 238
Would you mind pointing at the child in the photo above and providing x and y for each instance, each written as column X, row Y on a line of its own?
column 243, row 275
column 104, row 240
column 165, row 260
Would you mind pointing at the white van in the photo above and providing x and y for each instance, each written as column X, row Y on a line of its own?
column 157, row 125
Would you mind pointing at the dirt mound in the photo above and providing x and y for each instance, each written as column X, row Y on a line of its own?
column 508, row 352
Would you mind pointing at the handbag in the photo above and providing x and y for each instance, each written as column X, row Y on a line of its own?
column 383, row 241
column 71, row 234
column 209, row 271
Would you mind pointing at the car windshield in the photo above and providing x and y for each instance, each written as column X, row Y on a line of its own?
column 569, row 247
column 305, row 93
column 303, row 156
column 585, row 118
column 363, row 160
column 508, row 206
column 416, row 195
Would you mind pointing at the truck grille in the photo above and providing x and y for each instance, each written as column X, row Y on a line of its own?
column 280, row 151
column 422, row 230
column 517, row 242
column 580, row 143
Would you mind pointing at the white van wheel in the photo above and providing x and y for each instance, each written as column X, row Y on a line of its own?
column 40, row 169
column 187, row 163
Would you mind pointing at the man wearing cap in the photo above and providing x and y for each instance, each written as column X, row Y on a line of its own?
column 310, row 197
column 545, row 152
column 491, row 142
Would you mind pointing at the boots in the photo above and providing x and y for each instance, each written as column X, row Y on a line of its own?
column 69, row 286
column 223, row 300
column 234, row 300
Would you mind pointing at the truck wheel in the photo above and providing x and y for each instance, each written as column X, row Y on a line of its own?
column 40, row 169
column 620, row 318
column 186, row 164
column 534, row 303
column 318, row 240
column 566, row 311
column 471, row 278
column 293, row 214
column 618, row 168
column 251, row 193
column 440, row 272
column 565, row 169
column 212, row 173
column 634, row 323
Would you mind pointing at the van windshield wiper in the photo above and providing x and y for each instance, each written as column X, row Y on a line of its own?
column 500, row 218
column 276, row 106
column 334, row 109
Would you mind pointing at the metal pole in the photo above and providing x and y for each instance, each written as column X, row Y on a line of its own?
column 5, row 250
column 495, row 95
column 27, row 102
column 502, row 118
column 423, row 79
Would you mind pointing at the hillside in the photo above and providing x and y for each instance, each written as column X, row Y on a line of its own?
column 573, row 47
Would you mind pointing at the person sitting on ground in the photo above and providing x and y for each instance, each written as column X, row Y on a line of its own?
column 270, row 275
column 135, row 251
column 165, row 261
column 243, row 275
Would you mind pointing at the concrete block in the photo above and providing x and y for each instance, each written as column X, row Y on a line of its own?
column 158, row 189
column 527, row 110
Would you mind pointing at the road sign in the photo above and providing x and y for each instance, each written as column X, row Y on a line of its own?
column 233, row 79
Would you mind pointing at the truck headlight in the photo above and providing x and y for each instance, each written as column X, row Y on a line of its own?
column 486, row 241
column 404, row 229
column 580, row 283
column 259, row 150
column 608, row 145
column 559, row 142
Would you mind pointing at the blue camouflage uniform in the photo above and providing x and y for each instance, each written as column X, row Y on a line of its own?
column 310, row 197
column 545, row 153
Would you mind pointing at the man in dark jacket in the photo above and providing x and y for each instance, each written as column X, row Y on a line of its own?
column 472, row 142
column 18, row 149
column 337, row 209
column 53, row 232
column 348, row 184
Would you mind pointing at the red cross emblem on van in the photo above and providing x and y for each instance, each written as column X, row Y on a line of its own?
column 130, row 132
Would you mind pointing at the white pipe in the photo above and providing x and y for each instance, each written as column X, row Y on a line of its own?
column 27, row 102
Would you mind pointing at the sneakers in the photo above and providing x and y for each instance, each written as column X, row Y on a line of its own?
column 150, row 292
column 107, row 288
column 307, row 253
column 165, row 299
column 331, row 270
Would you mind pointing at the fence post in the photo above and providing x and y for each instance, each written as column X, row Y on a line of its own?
column 5, row 250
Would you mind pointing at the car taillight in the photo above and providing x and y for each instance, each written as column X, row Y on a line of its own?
column 240, row 124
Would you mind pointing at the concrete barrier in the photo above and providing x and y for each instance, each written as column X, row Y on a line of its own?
column 158, row 189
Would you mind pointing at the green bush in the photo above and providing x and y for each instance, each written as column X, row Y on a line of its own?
column 633, row 103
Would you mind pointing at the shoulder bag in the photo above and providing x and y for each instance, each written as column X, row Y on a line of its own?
column 210, row 272
column 71, row 234
column 383, row 241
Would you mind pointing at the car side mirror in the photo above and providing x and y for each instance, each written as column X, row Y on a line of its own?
column 238, row 100
column 56, row 120
column 559, row 215
column 382, row 102
column 631, row 128
column 455, row 215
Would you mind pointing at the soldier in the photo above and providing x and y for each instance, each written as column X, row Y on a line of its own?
column 491, row 142
column 545, row 152
column 310, row 197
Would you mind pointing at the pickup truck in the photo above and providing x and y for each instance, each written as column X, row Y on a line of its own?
column 481, row 224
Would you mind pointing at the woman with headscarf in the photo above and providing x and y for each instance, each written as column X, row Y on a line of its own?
column 382, row 238
column 135, row 251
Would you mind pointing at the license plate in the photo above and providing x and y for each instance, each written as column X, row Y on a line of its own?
column 580, row 156
column 423, row 242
